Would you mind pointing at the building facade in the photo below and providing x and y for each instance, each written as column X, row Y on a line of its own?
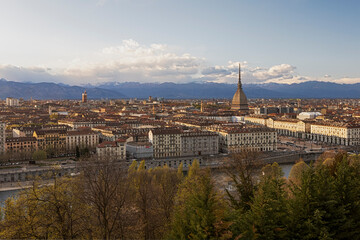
column 21, row 145
column 113, row 150
column 51, row 140
column 2, row 137
column 199, row 143
column 166, row 142
column 238, row 139
column 84, row 97
column 12, row 102
column 140, row 150
column 81, row 138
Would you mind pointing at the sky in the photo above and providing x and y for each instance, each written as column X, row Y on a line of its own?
column 77, row 42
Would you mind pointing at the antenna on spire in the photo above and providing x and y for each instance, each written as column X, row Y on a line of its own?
column 239, row 83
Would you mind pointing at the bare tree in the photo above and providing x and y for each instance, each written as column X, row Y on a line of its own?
column 103, row 186
column 242, row 169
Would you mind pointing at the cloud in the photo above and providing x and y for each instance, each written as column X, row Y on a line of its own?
column 277, row 71
column 229, row 73
column 29, row 74
column 132, row 61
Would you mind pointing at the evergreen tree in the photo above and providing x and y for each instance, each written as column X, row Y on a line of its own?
column 199, row 211
column 316, row 208
column 268, row 215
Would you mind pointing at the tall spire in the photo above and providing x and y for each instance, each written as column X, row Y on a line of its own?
column 239, row 83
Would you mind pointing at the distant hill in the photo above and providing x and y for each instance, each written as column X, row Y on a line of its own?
column 312, row 89
column 52, row 91
column 168, row 90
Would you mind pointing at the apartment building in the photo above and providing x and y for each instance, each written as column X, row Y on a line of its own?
column 336, row 133
column 82, row 138
column 77, row 123
column 140, row 150
column 12, row 102
column 112, row 150
column 21, row 144
column 199, row 143
column 166, row 142
column 51, row 139
column 179, row 143
column 237, row 139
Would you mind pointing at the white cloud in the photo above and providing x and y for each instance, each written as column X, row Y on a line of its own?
column 132, row 61
column 277, row 71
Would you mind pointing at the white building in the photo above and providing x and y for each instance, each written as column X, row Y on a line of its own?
column 12, row 102
column 308, row 115
column 139, row 150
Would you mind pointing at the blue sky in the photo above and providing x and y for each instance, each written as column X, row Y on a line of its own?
column 94, row 41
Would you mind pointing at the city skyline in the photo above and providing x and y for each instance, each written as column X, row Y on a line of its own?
column 167, row 41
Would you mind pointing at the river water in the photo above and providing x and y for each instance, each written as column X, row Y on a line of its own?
column 6, row 194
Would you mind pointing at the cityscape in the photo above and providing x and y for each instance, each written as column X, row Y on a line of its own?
column 143, row 140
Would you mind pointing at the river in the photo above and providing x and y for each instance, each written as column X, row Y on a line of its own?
column 6, row 194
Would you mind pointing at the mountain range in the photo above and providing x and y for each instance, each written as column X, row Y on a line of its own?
column 193, row 90
column 51, row 91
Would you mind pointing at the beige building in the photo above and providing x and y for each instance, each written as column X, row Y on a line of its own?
column 113, row 150
column 52, row 140
column 2, row 137
column 82, row 138
column 23, row 146
column 178, row 143
column 322, row 131
column 166, row 142
column 336, row 133
column 199, row 143
column 288, row 127
column 258, row 120
column 12, row 102
column 237, row 139
column 74, row 124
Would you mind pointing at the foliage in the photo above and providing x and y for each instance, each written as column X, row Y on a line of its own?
column 39, row 155
column 199, row 211
column 111, row 201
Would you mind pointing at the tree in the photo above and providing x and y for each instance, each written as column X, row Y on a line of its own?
column 77, row 152
column 42, row 212
column 268, row 215
column 39, row 155
column 103, row 186
column 242, row 169
column 320, row 206
column 296, row 172
column 199, row 211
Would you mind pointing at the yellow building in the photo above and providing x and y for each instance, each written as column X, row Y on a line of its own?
column 51, row 140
